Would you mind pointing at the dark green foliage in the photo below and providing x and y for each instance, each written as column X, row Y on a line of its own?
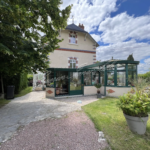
column 21, row 46
column 137, row 104
column 145, row 76
column 98, row 85
column 19, row 81
column 130, row 57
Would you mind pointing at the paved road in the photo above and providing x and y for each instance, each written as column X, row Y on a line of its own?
column 34, row 107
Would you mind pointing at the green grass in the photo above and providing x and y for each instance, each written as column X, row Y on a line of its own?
column 3, row 102
column 109, row 119
column 24, row 92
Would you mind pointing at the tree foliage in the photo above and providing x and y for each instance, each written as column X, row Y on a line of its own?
column 22, row 48
column 130, row 57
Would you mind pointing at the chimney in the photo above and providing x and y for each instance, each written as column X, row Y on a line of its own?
column 81, row 26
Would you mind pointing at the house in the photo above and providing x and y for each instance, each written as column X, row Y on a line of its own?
column 74, row 71
column 77, row 49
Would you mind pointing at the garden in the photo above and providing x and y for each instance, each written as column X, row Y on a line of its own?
column 124, row 120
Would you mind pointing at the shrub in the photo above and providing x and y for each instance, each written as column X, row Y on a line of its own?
column 137, row 104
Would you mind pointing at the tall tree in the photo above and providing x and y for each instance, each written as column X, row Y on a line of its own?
column 22, row 48
column 130, row 57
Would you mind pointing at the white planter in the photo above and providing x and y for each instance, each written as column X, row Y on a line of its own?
column 137, row 124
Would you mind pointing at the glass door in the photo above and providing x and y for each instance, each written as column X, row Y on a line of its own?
column 76, row 83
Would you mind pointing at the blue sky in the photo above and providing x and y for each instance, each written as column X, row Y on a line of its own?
column 121, row 27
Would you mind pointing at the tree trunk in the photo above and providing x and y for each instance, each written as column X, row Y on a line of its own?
column 2, row 87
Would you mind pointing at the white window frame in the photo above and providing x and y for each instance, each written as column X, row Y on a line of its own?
column 72, row 39
column 72, row 62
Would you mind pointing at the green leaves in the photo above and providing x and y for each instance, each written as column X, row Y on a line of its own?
column 135, row 105
column 21, row 45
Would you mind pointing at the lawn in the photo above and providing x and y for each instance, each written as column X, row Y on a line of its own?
column 3, row 102
column 25, row 91
column 109, row 119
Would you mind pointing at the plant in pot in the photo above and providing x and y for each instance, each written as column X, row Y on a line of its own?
column 136, row 107
column 75, row 81
column 98, row 86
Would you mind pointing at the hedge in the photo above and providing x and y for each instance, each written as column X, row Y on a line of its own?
column 20, row 82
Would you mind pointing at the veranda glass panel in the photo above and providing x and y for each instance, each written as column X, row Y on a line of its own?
column 131, row 78
column 110, row 78
column 121, row 78
column 87, row 78
column 102, row 78
column 62, row 83
column 110, row 67
column 50, row 79
column 131, row 67
column 121, row 66
column 75, row 81
column 95, row 78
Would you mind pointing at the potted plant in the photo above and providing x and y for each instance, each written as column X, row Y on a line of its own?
column 98, row 86
column 135, row 108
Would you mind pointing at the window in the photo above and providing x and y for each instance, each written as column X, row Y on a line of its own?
column 131, row 67
column 110, row 67
column 121, row 78
column 95, row 78
column 131, row 77
column 110, row 78
column 102, row 78
column 73, row 39
column 72, row 63
column 87, row 78
column 50, row 79
column 121, row 66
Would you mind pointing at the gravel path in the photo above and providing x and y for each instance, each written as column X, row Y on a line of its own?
column 34, row 107
column 72, row 132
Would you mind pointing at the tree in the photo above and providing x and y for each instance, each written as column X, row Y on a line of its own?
column 130, row 57
column 22, row 48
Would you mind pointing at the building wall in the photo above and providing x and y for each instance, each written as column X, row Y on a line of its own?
column 50, row 92
column 92, row 90
column 59, row 59
column 84, row 51
column 117, row 91
column 82, row 44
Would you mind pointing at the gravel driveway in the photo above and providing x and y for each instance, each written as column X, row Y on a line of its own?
column 34, row 107
column 73, row 132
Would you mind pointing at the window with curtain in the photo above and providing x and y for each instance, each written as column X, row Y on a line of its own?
column 121, row 78
column 102, row 78
column 73, row 39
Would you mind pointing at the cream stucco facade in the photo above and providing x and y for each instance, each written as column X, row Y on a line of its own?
column 84, row 50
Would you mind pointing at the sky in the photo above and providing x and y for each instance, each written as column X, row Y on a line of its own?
column 121, row 27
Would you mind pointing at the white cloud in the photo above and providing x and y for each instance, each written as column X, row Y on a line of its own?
column 147, row 61
column 122, row 50
column 96, row 37
column 123, row 26
column 89, row 13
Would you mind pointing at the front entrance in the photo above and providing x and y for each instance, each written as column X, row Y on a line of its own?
column 76, row 83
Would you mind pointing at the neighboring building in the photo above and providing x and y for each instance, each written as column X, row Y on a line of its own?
column 77, row 49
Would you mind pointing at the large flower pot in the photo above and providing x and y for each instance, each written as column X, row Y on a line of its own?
column 137, row 124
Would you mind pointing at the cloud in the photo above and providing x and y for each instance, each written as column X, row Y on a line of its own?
column 96, row 37
column 122, row 50
column 123, row 27
column 147, row 61
column 90, row 12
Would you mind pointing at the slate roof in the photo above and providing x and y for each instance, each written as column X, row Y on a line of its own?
column 76, row 28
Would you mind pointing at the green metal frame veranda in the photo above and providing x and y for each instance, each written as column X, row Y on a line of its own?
column 111, row 66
